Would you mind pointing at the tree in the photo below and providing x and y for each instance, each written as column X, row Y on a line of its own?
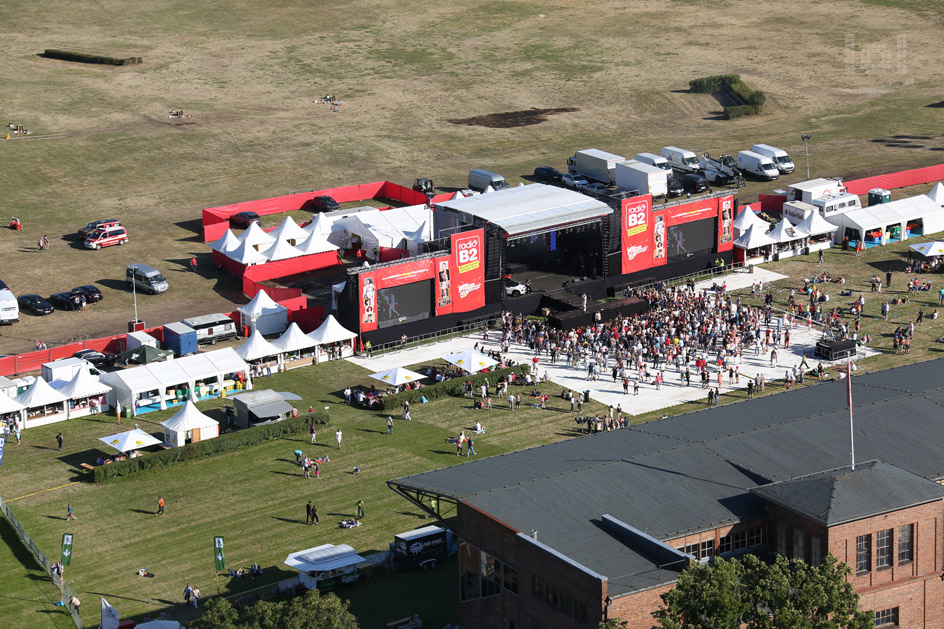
column 757, row 595
column 613, row 623
column 311, row 610
column 218, row 613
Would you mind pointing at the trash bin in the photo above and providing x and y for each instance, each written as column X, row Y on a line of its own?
column 128, row 412
column 750, row 268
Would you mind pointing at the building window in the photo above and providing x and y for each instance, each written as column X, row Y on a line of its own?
column 724, row 545
column 470, row 576
column 883, row 549
column 782, row 538
column 539, row 587
column 510, row 579
column 707, row 549
column 740, row 540
column 863, row 554
column 491, row 574
column 755, row 537
column 905, row 543
column 799, row 545
column 691, row 549
column 816, row 551
column 886, row 617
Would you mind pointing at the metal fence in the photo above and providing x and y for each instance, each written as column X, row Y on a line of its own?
column 439, row 335
column 41, row 560
column 263, row 592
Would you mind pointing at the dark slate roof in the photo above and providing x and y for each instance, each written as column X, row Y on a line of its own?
column 694, row 472
column 846, row 494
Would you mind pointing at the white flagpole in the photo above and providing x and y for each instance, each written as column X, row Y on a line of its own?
column 849, row 404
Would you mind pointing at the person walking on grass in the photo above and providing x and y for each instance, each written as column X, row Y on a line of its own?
column 314, row 514
column 389, row 424
column 195, row 597
column 359, row 510
column 470, row 445
column 308, row 518
column 59, row 441
column 160, row 505
column 338, row 436
column 312, row 429
column 188, row 592
column 70, row 514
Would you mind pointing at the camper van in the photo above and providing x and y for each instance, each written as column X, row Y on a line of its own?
column 212, row 328
column 836, row 204
column 780, row 158
column 654, row 160
column 758, row 165
column 9, row 309
column 146, row 278
column 680, row 159
column 480, row 179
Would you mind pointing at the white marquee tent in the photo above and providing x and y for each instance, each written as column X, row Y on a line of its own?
column 315, row 244
column 264, row 314
column 11, row 409
column 256, row 348
column 816, row 225
column 228, row 242
column 85, row 392
column 255, row 236
column 44, row 405
column 246, row 254
column 333, row 340
column 280, row 250
column 890, row 219
column 745, row 218
column 937, row 194
column 320, row 225
column 289, row 231
column 189, row 425
column 293, row 340
column 390, row 229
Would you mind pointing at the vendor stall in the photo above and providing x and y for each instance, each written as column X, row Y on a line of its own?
column 334, row 341
column 86, row 394
column 11, row 412
column 263, row 314
column 263, row 407
column 256, row 350
column 745, row 218
column 189, row 425
column 255, row 238
column 295, row 348
column 819, row 231
column 889, row 222
column 327, row 566
column 130, row 440
column 753, row 246
column 44, row 405
column 789, row 241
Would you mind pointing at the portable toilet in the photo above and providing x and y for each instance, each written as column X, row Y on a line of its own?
column 180, row 338
column 878, row 195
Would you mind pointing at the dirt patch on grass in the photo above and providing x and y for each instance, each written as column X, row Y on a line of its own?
column 509, row 119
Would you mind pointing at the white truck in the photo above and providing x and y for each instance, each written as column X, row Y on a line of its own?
column 594, row 164
column 758, row 165
column 779, row 156
column 647, row 179
column 654, row 160
column 806, row 191
column 721, row 171
column 9, row 308
column 680, row 159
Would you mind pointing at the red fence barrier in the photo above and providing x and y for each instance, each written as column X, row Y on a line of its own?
column 897, row 180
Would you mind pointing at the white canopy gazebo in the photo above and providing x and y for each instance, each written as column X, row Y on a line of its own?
column 246, row 254
column 819, row 231
column 280, row 250
column 789, row 240
column 130, row 440
column 85, row 392
column 44, row 405
column 256, row 348
column 937, row 194
column 745, row 218
column 254, row 236
column 292, row 346
column 397, row 376
column 10, row 410
column 189, row 425
column 470, row 360
column 315, row 244
column 290, row 232
column 753, row 246
column 333, row 340
column 264, row 314
column 320, row 225
column 228, row 242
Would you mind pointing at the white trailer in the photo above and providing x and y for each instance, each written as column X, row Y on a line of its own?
column 633, row 175
column 595, row 164
column 808, row 191
column 9, row 308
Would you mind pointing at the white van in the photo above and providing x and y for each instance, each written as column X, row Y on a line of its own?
column 779, row 156
column 212, row 328
column 9, row 308
column 683, row 160
column 480, row 179
column 654, row 160
column 146, row 278
column 758, row 165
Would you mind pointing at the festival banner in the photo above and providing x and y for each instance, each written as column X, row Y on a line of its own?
column 443, row 285
column 218, row 556
column 636, row 234
column 368, row 301
column 467, row 270
column 66, row 555
column 726, row 223
column 695, row 211
column 371, row 283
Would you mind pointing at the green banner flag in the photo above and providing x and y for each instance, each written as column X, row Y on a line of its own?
column 66, row 549
column 218, row 554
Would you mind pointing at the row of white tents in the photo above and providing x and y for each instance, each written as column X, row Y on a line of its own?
column 758, row 238
column 330, row 339
column 45, row 403
column 288, row 240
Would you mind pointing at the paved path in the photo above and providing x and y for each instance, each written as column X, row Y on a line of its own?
column 802, row 341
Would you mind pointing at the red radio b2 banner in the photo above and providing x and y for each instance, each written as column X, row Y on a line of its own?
column 467, row 270
column 636, row 234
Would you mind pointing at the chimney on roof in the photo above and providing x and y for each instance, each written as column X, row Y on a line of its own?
column 534, row 534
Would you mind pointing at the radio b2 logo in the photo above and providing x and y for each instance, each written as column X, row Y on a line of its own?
column 467, row 254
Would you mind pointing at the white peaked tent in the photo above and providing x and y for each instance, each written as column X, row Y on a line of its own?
column 227, row 243
column 331, row 332
column 264, row 314
column 397, row 376
column 44, row 405
column 247, row 254
column 488, row 189
column 280, row 250
column 315, row 244
column 130, row 440
column 84, row 392
column 816, row 225
column 366, row 264
column 457, row 195
column 189, row 425
column 471, row 360
column 292, row 340
column 745, row 218
column 11, row 409
column 320, row 225
column 255, row 348
column 289, row 231
column 784, row 232
column 754, row 238
column 937, row 194
column 254, row 236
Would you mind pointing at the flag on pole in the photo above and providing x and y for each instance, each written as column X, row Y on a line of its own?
column 66, row 549
column 109, row 616
column 3, row 440
column 218, row 554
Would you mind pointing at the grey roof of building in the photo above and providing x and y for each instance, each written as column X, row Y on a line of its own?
column 846, row 494
column 694, row 472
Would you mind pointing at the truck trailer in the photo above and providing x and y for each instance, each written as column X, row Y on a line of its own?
column 646, row 179
column 595, row 164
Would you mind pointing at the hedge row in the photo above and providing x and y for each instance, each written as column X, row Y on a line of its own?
column 449, row 388
column 712, row 84
column 81, row 57
column 223, row 443
column 753, row 99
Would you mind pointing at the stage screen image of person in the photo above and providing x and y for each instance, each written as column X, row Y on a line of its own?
column 399, row 304
column 691, row 239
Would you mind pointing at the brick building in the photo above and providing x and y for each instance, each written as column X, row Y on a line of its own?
column 572, row 533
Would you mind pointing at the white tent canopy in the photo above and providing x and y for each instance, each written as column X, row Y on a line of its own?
column 471, row 360
column 256, row 347
column 315, row 244
column 82, row 385
column 816, row 225
column 280, row 250
column 747, row 217
column 189, row 420
column 9, row 405
column 40, row 394
column 397, row 376
column 390, row 229
column 930, row 249
column 320, row 225
column 227, row 243
column 289, row 230
column 130, row 440
column 264, row 314
column 937, row 193
column 784, row 232
column 885, row 215
column 753, row 238
column 293, row 339
column 255, row 236
column 246, row 254
column 331, row 332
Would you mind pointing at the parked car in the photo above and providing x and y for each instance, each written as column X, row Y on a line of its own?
column 95, row 225
column 594, row 188
column 675, row 187
column 547, row 174
column 574, row 181
column 92, row 294
column 243, row 219
column 65, row 301
column 106, row 237
column 693, row 183
column 3, row 285
column 513, row 288
column 34, row 304
column 324, row 204
column 95, row 357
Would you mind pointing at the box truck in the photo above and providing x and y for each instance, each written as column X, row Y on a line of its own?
column 654, row 160
column 423, row 548
column 9, row 308
column 647, row 179
column 680, row 159
column 779, row 156
column 758, row 165
column 806, row 191
column 595, row 164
